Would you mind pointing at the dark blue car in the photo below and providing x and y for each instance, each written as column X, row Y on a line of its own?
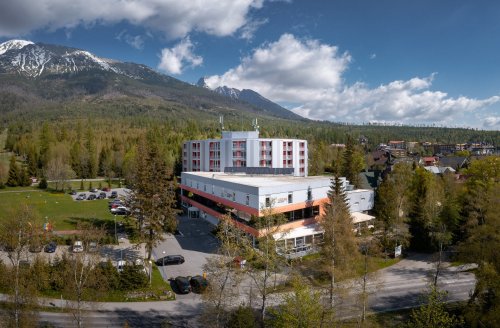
column 51, row 247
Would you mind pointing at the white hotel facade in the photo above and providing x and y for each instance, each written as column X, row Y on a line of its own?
column 239, row 149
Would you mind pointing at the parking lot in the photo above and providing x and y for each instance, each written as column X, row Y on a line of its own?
column 124, row 250
column 195, row 242
column 122, row 192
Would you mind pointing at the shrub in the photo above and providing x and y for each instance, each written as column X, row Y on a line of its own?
column 43, row 184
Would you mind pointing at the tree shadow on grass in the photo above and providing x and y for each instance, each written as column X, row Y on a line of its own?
column 108, row 225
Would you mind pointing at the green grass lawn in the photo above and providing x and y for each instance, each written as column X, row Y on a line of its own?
column 159, row 290
column 76, row 185
column 59, row 209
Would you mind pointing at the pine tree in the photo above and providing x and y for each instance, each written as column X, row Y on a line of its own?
column 90, row 146
column 24, row 178
column 153, row 199
column 14, row 173
column 339, row 249
column 353, row 162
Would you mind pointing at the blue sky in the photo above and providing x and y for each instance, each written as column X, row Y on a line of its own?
column 395, row 61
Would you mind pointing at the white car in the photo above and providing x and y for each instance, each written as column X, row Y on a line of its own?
column 120, row 210
column 120, row 265
column 78, row 247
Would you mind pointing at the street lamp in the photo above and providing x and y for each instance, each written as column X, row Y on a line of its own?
column 150, row 271
column 116, row 239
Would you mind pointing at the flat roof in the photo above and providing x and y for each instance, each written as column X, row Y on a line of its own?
column 260, row 181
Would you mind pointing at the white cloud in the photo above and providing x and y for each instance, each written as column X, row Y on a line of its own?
column 175, row 59
column 136, row 41
column 175, row 19
column 310, row 74
column 288, row 70
column 492, row 122
column 373, row 56
column 248, row 31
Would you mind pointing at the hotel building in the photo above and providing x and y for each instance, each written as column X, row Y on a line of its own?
column 210, row 195
column 242, row 149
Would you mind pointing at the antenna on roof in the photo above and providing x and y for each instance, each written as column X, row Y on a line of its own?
column 255, row 125
column 221, row 122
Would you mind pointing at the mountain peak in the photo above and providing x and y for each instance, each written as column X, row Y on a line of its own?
column 251, row 97
column 202, row 83
column 13, row 44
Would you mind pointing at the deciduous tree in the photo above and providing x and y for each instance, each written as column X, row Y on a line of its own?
column 16, row 235
column 223, row 276
column 432, row 314
column 301, row 308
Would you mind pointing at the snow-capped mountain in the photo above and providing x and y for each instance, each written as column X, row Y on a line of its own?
column 35, row 59
column 250, row 97
column 228, row 92
column 33, row 75
column 13, row 44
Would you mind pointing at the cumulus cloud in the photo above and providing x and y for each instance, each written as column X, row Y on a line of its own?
column 288, row 70
column 175, row 19
column 175, row 59
column 309, row 73
column 492, row 122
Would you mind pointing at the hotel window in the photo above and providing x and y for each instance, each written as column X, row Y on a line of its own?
column 268, row 201
column 290, row 198
column 247, row 202
column 234, row 196
column 309, row 194
column 205, row 188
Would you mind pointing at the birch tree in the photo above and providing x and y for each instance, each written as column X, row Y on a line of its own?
column 266, row 259
column 16, row 235
column 224, row 278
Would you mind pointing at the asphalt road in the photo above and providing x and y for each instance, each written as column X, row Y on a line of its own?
column 396, row 287
column 402, row 285
column 399, row 286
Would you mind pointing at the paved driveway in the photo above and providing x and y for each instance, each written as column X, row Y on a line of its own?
column 195, row 242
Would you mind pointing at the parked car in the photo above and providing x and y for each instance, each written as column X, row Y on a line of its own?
column 93, row 190
column 77, row 247
column 114, row 194
column 102, row 195
column 81, row 197
column 106, row 189
column 120, row 210
column 51, row 247
column 198, row 284
column 120, row 265
column 93, row 247
column 72, row 192
column 170, row 259
column 181, row 284
column 91, row 197
column 115, row 203
column 35, row 248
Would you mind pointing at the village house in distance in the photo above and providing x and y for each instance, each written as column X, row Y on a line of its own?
column 242, row 174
